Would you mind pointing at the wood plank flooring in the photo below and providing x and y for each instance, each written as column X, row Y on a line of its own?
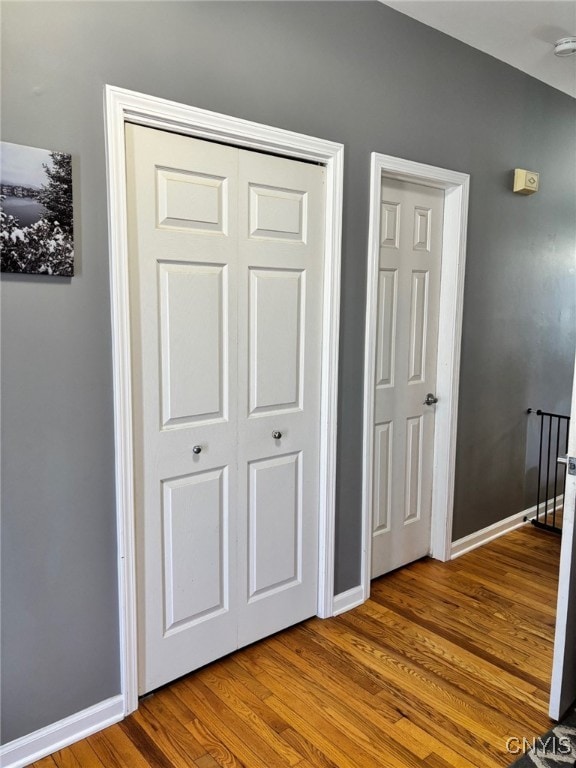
column 439, row 668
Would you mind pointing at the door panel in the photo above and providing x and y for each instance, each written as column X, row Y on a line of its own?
column 274, row 525
column 276, row 343
column 195, row 548
column 389, row 224
column 386, row 336
column 187, row 200
column 411, row 220
column 383, row 474
column 226, row 255
column 422, row 228
column 413, row 493
column 193, row 296
column 418, row 326
column 278, row 214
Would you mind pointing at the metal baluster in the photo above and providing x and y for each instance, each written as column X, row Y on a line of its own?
column 556, row 470
column 539, row 465
column 548, row 470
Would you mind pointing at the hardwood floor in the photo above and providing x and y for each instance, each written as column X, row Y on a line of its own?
column 444, row 664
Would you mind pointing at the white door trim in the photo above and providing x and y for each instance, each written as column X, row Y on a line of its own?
column 456, row 186
column 123, row 106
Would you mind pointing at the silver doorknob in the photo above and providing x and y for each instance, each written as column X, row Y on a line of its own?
column 197, row 449
column 276, row 435
column 430, row 399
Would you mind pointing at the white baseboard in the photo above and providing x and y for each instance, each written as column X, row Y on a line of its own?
column 45, row 741
column 354, row 597
column 345, row 601
column 477, row 539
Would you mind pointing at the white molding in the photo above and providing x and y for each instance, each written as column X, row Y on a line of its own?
column 345, row 601
column 46, row 741
column 494, row 531
column 123, row 106
column 491, row 532
column 456, row 186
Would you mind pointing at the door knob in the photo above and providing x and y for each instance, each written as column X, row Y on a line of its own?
column 430, row 399
column 197, row 449
column 276, row 435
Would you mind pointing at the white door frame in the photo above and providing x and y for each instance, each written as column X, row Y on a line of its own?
column 456, row 186
column 123, row 106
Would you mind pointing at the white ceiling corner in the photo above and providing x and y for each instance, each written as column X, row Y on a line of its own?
column 521, row 33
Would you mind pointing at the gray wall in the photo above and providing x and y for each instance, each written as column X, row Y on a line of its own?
column 341, row 71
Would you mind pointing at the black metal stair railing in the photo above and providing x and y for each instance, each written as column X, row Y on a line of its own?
column 552, row 460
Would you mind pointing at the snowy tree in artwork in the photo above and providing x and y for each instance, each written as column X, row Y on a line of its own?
column 56, row 194
column 36, row 212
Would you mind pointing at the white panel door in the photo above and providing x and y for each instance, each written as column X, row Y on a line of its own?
column 563, row 686
column 411, row 220
column 279, row 356
column 225, row 285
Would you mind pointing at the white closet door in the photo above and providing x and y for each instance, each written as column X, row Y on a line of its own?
column 411, row 222
column 183, row 293
column 218, row 351
column 281, row 241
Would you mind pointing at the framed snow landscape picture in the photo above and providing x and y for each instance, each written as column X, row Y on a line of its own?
column 36, row 214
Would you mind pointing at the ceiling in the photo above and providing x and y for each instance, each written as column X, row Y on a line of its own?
column 519, row 32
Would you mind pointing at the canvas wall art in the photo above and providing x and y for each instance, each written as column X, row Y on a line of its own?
column 36, row 213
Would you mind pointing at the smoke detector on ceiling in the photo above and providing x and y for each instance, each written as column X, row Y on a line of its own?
column 566, row 46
